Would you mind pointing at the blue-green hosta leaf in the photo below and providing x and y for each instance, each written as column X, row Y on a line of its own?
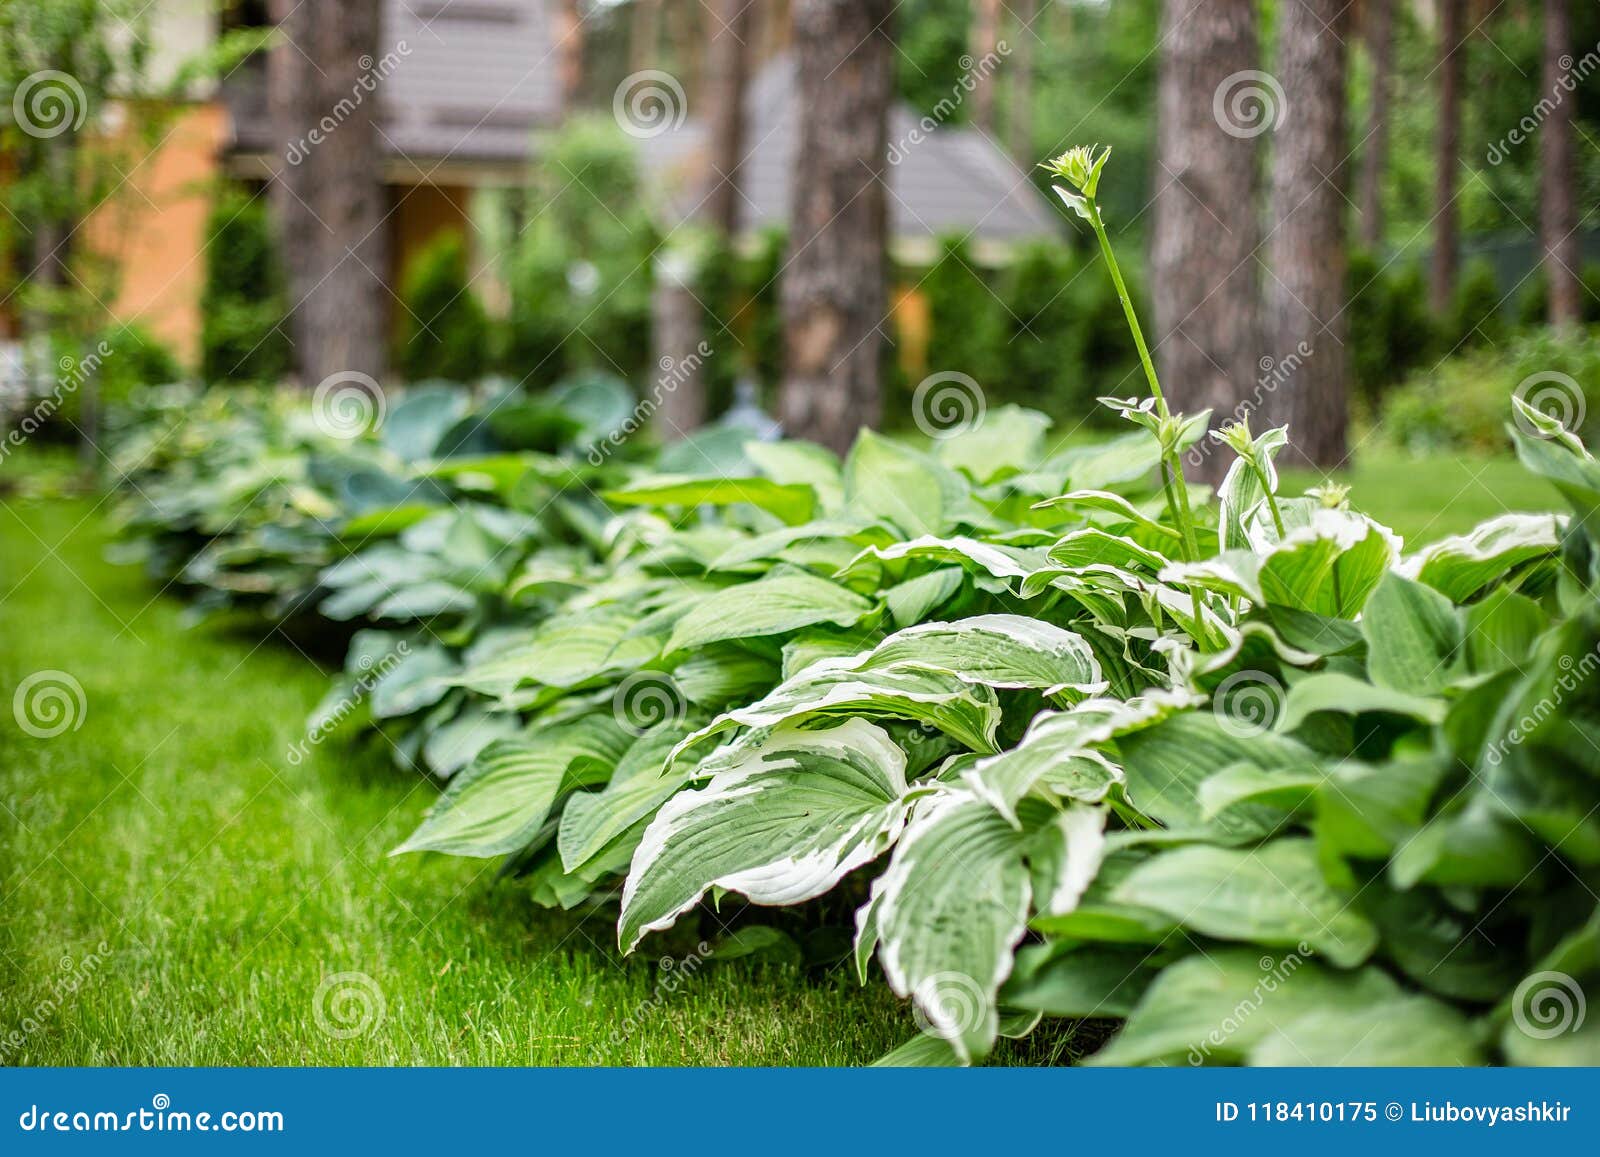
column 782, row 823
column 1405, row 1030
column 425, row 600
column 1347, row 695
column 418, row 680
column 453, row 745
column 949, row 911
column 1328, row 566
column 1413, row 636
column 413, row 427
column 1213, row 1008
column 772, row 606
column 498, row 803
column 1274, row 895
column 593, row 821
column 1010, row 651
column 966, row 712
column 1461, row 566
column 792, row 504
column 565, row 652
column 1007, row 439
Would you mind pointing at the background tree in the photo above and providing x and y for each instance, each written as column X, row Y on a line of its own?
column 1447, row 156
column 1558, row 217
column 834, row 288
column 1019, row 117
column 985, row 42
column 1378, row 19
column 1306, row 247
column 1202, row 254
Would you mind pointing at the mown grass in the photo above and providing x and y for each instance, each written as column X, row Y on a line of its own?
column 227, row 884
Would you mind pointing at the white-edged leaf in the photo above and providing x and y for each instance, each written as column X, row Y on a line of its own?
column 1462, row 565
column 771, row 606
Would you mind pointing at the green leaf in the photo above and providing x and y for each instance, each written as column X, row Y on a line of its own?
column 1007, row 439
column 772, row 606
column 1407, row 1030
column 792, row 504
column 886, row 480
column 1347, row 695
column 1461, row 566
column 1274, row 895
column 913, row 600
column 1011, row 651
column 1413, row 636
column 1084, row 983
column 782, row 823
column 498, row 803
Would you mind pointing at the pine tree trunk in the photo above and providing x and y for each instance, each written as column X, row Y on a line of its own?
column 292, row 101
column 1305, row 296
column 985, row 38
column 1375, row 150
column 727, row 68
column 1020, row 119
column 569, row 33
column 1558, row 220
column 644, row 35
column 834, row 286
column 1447, row 156
column 1203, row 274
column 677, row 323
column 351, row 299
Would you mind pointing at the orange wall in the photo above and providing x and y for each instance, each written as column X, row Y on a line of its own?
column 154, row 226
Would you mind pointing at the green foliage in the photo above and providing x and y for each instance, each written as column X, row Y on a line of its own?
column 445, row 328
column 964, row 317
column 1391, row 331
column 1477, row 318
column 242, row 306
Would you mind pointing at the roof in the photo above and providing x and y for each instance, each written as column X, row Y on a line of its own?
column 467, row 80
column 944, row 179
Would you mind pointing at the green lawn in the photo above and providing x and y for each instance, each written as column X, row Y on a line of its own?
column 226, row 883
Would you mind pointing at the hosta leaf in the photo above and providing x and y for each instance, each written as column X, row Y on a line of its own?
column 1347, row 695
column 1461, row 566
column 1245, row 783
column 1215, row 1007
column 949, row 910
column 772, row 606
column 1006, row 439
column 1012, row 651
column 424, row 601
column 1087, row 982
column 1413, row 636
column 565, row 652
column 592, row 821
column 998, row 561
column 797, row 463
column 781, row 824
column 455, row 744
column 718, row 675
column 1407, row 1030
column 1274, row 895
column 792, row 504
column 498, row 803
column 883, row 479
column 913, row 600
column 1118, row 507
column 418, row 680
column 1092, row 547
column 1241, row 490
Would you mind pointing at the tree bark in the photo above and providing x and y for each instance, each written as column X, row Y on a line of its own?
column 569, row 51
column 726, row 73
column 644, row 34
column 1558, row 218
column 351, row 299
column 677, row 325
column 292, row 105
column 834, row 287
column 1447, row 156
column 1203, row 243
column 1020, row 123
column 1375, row 151
column 984, row 42
column 1305, row 294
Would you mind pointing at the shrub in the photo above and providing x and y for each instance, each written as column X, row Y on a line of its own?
column 243, row 336
column 1477, row 318
column 964, row 334
column 446, row 332
column 1046, row 338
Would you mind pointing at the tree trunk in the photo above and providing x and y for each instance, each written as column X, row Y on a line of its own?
column 292, row 102
column 1447, row 156
column 644, row 34
column 569, row 51
column 984, row 41
column 1305, row 296
column 1020, row 121
column 1375, row 150
column 1558, row 218
column 727, row 68
column 1203, row 242
column 834, row 287
column 677, row 317
column 352, row 297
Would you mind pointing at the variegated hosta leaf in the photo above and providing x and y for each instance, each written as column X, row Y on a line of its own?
column 1092, row 546
column 968, row 713
column 791, row 503
column 1104, row 502
column 998, row 561
column 771, row 606
column 1241, row 494
column 912, row 601
column 1461, row 566
column 1011, row 651
column 782, row 823
column 592, row 821
column 499, row 803
column 565, row 652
